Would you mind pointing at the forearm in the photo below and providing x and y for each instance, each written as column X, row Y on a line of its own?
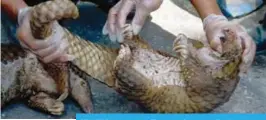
column 11, row 7
column 206, row 7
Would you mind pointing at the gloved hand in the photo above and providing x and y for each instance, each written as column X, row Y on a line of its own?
column 213, row 26
column 52, row 49
column 118, row 14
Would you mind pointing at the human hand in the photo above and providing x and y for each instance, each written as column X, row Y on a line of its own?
column 215, row 24
column 118, row 14
column 51, row 49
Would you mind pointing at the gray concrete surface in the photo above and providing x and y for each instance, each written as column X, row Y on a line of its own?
column 169, row 20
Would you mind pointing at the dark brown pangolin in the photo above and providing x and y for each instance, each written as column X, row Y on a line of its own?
column 24, row 77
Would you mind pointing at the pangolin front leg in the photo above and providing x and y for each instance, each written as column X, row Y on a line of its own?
column 61, row 77
column 133, row 40
column 44, row 102
column 180, row 46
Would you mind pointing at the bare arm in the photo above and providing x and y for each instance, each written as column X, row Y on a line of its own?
column 206, row 7
column 11, row 7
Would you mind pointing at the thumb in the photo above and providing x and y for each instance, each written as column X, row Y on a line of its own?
column 215, row 44
column 214, row 37
column 139, row 19
column 65, row 58
column 23, row 36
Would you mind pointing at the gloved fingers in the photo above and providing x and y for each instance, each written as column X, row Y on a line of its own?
column 25, row 37
column 150, row 5
column 125, row 8
column 104, row 30
column 215, row 41
column 65, row 58
column 246, row 63
column 53, row 56
column 111, row 22
column 46, row 51
column 56, row 41
column 249, row 52
column 27, row 40
column 112, row 17
column 247, row 43
column 57, row 35
column 139, row 19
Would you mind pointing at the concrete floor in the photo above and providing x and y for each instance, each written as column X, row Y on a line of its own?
column 171, row 18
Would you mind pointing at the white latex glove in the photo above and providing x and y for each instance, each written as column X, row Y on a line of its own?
column 52, row 49
column 118, row 14
column 213, row 26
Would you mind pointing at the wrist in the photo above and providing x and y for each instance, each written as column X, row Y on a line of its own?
column 206, row 7
column 213, row 18
column 21, row 14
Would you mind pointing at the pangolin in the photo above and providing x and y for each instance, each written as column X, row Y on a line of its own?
column 26, row 72
column 23, row 77
column 156, row 80
column 196, row 80
column 44, row 85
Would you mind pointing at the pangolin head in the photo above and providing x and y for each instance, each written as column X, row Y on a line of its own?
column 231, row 45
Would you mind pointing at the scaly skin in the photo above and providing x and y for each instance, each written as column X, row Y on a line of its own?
column 154, row 79
column 57, row 75
column 24, row 77
column 42, row 83
column 93, row 59
column 187, row 83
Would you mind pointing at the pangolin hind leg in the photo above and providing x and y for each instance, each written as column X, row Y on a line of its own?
column 40, row 79
column 130, row 82
column 81, row 92
column 61, row 77
column 44, row 102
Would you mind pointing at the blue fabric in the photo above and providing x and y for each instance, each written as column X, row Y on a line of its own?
column 243, row 7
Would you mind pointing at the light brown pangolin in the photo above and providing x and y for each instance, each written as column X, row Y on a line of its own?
column 196, row 80
column 156, row 80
